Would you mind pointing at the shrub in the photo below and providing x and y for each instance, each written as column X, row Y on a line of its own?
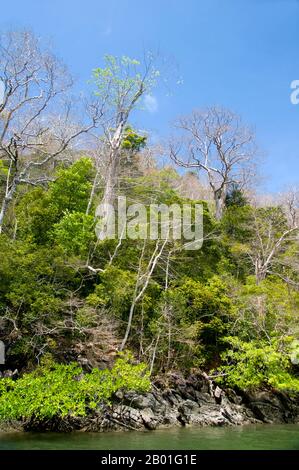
column 256, row 364
column 60, row 390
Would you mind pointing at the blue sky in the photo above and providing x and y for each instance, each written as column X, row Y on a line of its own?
column 242, row 54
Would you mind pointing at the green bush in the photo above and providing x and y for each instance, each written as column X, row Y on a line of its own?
column 256, row 364
column 59, row 390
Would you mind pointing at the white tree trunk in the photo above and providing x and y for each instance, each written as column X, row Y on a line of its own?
column 5, row 203
column 219, row 198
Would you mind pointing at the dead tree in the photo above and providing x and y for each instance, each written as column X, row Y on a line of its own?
column 216, row 142
column 36, row 122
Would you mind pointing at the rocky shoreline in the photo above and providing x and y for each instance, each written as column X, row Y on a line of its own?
column 195, row 400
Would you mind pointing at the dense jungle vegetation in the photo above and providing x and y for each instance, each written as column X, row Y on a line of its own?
column 82, row 316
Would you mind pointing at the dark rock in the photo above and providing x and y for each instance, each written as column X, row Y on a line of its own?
column 233, row 397
column 272, row 406
column 196, row 400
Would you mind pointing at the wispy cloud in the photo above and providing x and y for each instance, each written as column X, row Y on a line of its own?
column 151, row 103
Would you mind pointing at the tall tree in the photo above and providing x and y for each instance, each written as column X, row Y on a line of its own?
column 215, row 141
column 120, row 84
column 36, row 124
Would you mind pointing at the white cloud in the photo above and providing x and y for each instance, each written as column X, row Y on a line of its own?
column 151, row 103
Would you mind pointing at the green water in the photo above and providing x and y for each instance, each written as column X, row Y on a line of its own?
column 262, row 437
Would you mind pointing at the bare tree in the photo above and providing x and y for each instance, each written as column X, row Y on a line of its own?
column 216, row 141
column 272, row 234
column 36, row 124
column 289, row 200
column 192, row 187
column 142, row 282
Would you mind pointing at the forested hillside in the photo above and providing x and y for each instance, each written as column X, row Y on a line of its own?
column 123, row 310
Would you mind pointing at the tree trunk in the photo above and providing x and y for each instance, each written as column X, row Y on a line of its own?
column 92, row 193
column 260, row 271
column 5, row 203
column 219, row 198
column 2, row 212
column 110, row 182
column 113, row 164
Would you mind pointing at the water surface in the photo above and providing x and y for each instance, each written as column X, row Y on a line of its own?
column 261, row 437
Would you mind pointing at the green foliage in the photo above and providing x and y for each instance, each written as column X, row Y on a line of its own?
column 237, row 224
column 39, row 210
column 29, row 299
column 266, row 309
column 71, row 189
column 63, row 290
column 133, row 141
column 235, row 197
column 120, row 80
column 115, row 290
column 63, row 390
column 256, row 364
column 75, row 233
column 197, row 301
column 3, row 169
column 155, row 187
column 203, row 314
